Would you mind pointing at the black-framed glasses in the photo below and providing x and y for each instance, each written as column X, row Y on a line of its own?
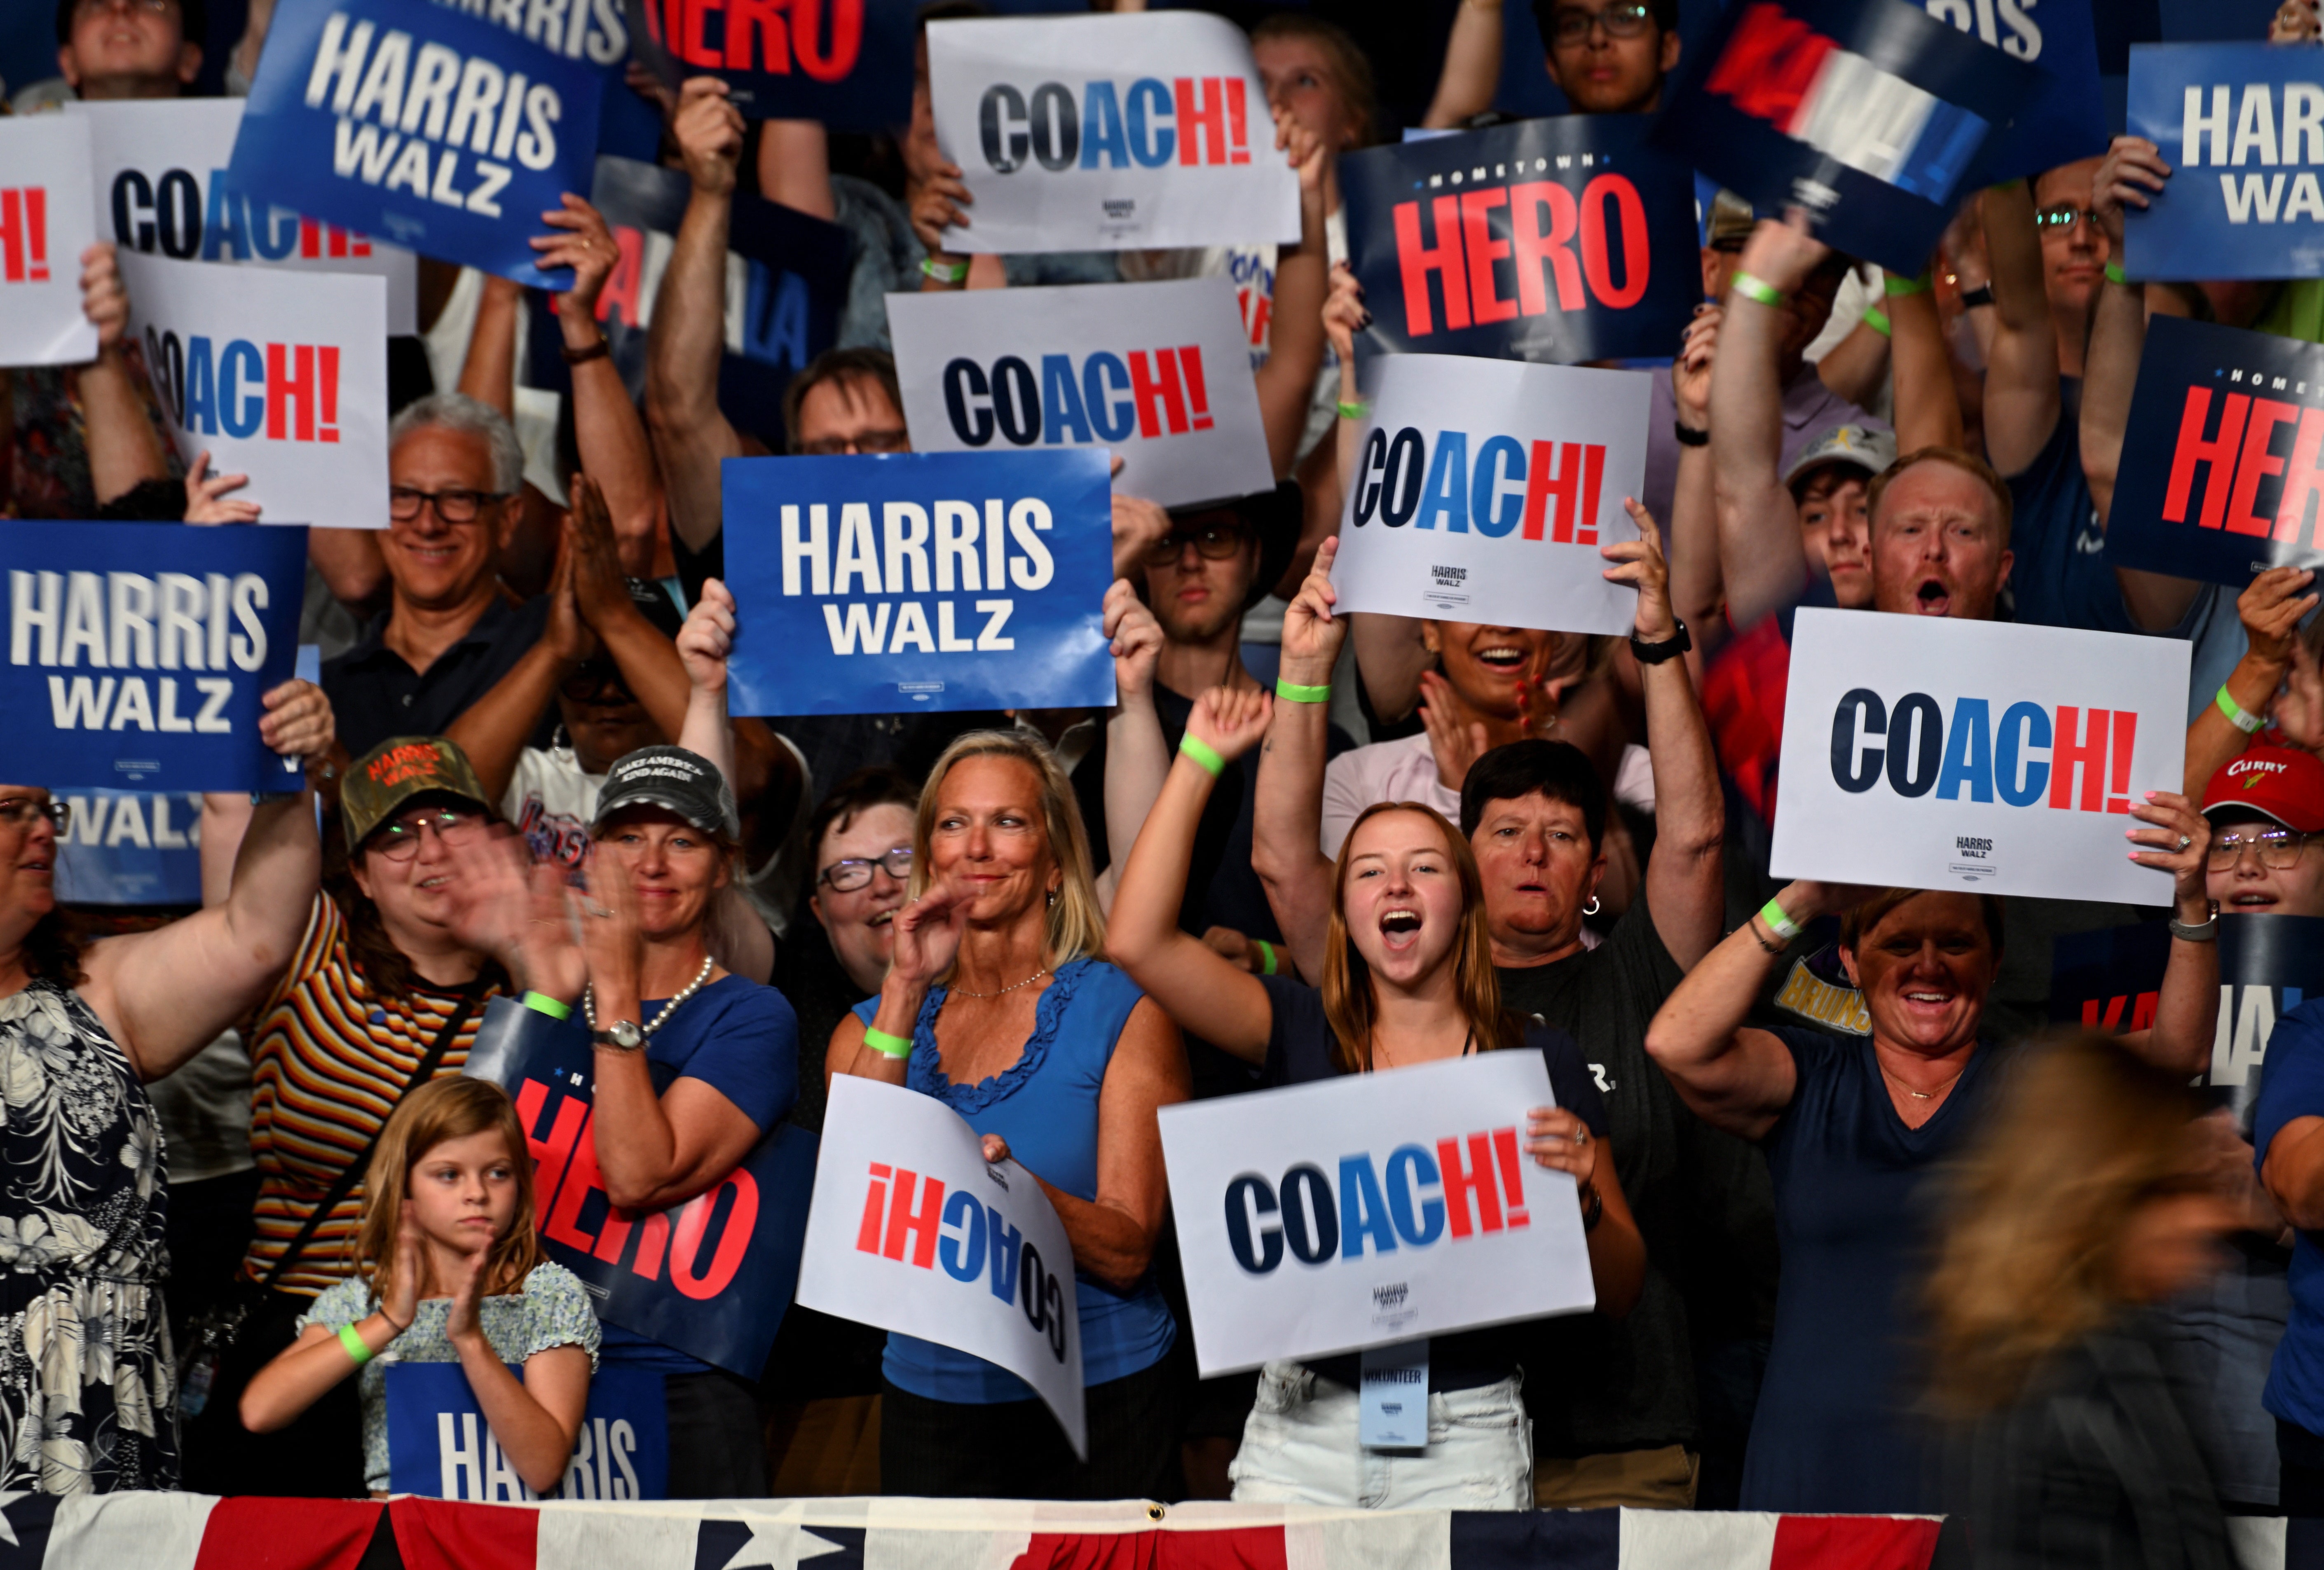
column 2278, row 848
column 849, row 873
column 2065, row 216
column 398, row 838
column 880, row 441
column 23, row 812
column 1571, row 26
column 403, row 503
column 598, row 681
column 1215, row 542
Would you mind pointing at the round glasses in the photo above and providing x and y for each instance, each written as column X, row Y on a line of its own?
column 2065, row 217
column 403, row 503
column 851, row 873
column 24, row 812
column 2278, row 848
column 1571, row 26
column 399, row 840
column 1217, row 543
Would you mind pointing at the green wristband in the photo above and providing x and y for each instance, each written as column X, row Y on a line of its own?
column 1877, row 321
column 2241, row 718
column 1782, row 926
column 542, row 1002
column 1758, row 288
column 1353, row 410
column 1266, row 956
column 1896, row 286
column 354, row 1342
column 2115, row 274
column 945, row 272
column 1203, row 753
column 886, row 1045
column 1299, row 694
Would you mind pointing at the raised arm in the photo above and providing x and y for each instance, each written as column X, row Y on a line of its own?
column 607, row 430
column 1287, row 803
column 741, row 940
column 165, row 994
column 2174, row 837
column 1696, row 587
column 2272, row 609
column 1762, row 555
column 488, row 370
column 1286, row 382
column 795, row 167
column 493, row 731
column 1219, row 1001
column 2021, row 374
column 1137, row 757
column 690, row 433
column 1927, row 406
column 1472, row 72
column 122, row 446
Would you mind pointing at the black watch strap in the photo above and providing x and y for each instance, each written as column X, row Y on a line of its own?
column 1654, row 654
column 1982, row 294
column 1688, row 437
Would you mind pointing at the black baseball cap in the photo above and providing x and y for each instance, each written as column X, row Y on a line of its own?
column 675, row 780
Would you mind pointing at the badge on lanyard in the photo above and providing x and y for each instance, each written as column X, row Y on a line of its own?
column 1393, row 1397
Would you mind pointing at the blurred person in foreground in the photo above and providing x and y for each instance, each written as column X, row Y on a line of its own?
column 2061, row 1239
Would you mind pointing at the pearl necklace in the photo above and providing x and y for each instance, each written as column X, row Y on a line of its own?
column 964, row 992
column 589, row 999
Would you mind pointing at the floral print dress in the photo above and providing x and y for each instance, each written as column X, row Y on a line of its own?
column 87, row 1383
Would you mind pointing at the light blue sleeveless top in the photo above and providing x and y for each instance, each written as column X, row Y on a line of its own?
column 1045, row 1107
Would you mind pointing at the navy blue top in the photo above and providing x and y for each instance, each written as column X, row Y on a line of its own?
column 1851, row 1215
column 1045, row 1104
column 741, row 1040
column 2061, row 576
column 2293, row 1087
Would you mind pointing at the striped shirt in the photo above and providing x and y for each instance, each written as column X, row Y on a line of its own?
column 330, row 1058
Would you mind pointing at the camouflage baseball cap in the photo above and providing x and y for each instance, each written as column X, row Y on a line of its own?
column 397, row 770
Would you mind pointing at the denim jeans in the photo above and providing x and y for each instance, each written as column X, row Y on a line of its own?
column 1299, row 1448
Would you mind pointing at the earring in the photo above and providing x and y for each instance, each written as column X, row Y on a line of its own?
column 1592, row 908
column 1053, row 899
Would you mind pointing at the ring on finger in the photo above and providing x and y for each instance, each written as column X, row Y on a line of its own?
column 2185, row 840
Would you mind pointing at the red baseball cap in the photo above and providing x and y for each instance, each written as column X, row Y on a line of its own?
column 2282, row 782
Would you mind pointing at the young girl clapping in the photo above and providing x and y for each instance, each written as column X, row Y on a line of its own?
column 451, row 1271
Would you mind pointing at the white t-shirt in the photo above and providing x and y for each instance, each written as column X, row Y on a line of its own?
column 551, row 802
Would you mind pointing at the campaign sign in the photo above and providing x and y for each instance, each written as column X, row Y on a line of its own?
column 2065, row 118
column 131, row 848
column 1158, row 373
column 46, row 221
column 137, row 653
column 1370, row 1209
column 439, row 1445
column 710, row 1277
column 2242, row 127
column 160, row 167
column 847, row 63
column 1556, row 240
column 785, row 283
column 1924, row 752
column 441, row 132
column 1108, row 134
column 2110, row 979
column 1869, row 113
column 891, row 583
column 1484, row 488
column 285, row 383
column 2223, row 458
column 915, row 1232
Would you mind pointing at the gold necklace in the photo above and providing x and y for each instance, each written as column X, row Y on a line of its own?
column 1922, row 1095
column 965, row 992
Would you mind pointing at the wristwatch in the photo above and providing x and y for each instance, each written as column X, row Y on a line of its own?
column 622, row 1035
column 1982, row 294
column 1654, row 654
column 2206, row 931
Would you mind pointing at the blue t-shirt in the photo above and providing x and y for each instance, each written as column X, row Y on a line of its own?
column 741, row 1040
column 1045, row 1104
column 2061, row 576
column 2293, row 1087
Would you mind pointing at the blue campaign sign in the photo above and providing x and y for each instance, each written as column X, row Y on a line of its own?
column 2066, row 117
column 1559, row 240
column 873, row 585
column 847, row 63
column 2242, row 127
column 2220, row 473
column 441, row 132
column 1868, row 113
column 711, row 1277
column 440, row 1446
column 131, row 848
column 137, row 653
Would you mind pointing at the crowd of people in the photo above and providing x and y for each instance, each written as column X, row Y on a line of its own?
column 1861, row 1237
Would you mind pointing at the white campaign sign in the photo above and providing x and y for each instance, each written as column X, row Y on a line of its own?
column 910, row 1230
column 286, row 382
column 46, row 221
column 1293, row 1247
column 1108, row 134
column 1158, row 373
column 1924, row 752
column 1484, row 489
column 161, row 188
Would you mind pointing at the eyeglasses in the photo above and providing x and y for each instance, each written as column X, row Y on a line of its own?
column 597, row 681
column 88, row 8
column 1571, row 26
column 403, row 503
column 1215, row 543
column 2065, row 217
column 888, row 441
column 399, row 840
column 851, row 873
column 2278, row 848
column 23, row 812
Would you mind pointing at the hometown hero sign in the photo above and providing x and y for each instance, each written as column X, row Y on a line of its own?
column 441, row 132
column 1158, row 372
column 1069, row 146
column 913, row 1230
column 1371, row 1209
column 885, row 584
column 1484, row 489
column 1922, row 752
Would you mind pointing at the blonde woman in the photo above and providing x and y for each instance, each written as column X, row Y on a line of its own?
column 996, row 1003
column 2090, row 1195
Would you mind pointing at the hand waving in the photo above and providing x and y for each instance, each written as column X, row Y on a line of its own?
column 1231, row 721
column 707, row 638
column 1137, row 643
